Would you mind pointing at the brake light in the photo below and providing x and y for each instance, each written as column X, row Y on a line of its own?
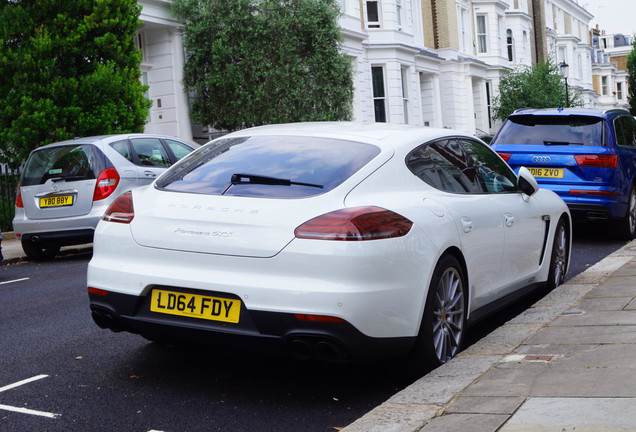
column 106, row 184
column 355, row 224
column 597, row 161
column 504, row 156
column 18, row 198
column 121, row 210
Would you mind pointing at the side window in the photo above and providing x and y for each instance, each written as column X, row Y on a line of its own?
column 493, row 173
column 150, row 152
column 445, row 165
column 178, row 148
column 625, row 131
column 122, row 148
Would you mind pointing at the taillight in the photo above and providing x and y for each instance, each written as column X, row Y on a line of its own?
column 121, row 210
column 355, row 224
column 597, row 161
column 106, row 184
column 504, row 156
column 18, row 198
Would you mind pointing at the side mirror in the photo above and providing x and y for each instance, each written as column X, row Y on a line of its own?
column 526, row 181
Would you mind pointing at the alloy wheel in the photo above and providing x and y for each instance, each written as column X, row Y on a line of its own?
column 448, row 315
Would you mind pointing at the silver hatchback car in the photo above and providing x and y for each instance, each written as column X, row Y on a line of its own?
column 66, row 186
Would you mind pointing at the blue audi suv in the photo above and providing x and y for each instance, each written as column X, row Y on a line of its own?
column 586, row 156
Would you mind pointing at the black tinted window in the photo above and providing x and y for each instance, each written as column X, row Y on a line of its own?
column 71, row 162
column 551, row 130
column 625, row 128
column 268, row 166
column 446, row 166
column 493, row 173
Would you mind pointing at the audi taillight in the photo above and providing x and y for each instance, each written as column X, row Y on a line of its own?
column 121, row 210
column 106, row 184
column 18, row 198
column 505, row 156
column 355, row 224
column 597, row 161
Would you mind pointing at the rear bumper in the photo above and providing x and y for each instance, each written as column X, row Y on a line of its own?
column 258, row 330
column 61, row 238
column 590, row 212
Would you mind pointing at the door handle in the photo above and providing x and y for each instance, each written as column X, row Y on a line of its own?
column 467, row 224
column 149, row 174
column 510, row 219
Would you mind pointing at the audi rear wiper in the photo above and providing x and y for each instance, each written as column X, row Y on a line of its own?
column 264, row 180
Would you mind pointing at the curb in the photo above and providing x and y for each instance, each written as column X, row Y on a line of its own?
column 428, row 398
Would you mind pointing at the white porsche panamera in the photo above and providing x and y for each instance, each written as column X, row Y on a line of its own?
column 336, row 241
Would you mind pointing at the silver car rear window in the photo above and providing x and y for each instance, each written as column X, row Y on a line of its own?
column 69, row 162
column 268, row 166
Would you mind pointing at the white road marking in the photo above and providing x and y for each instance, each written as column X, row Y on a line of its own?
column 28, row 411
column 25, row 410
column 21, row 383
column 12, row 281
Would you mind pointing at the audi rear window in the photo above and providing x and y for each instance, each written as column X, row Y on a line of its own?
column 551, row 130
column 268, row 166
column 69, row 163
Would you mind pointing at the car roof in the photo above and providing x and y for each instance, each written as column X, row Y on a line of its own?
column 381, row 134
column 570, row 111
column 107, row 138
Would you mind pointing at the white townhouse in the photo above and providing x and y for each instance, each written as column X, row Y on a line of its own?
column 423, row 62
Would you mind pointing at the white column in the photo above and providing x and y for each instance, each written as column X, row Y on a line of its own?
column 438, row 120
column 184, row 127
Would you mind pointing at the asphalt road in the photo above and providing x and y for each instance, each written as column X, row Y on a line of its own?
column 83, row 378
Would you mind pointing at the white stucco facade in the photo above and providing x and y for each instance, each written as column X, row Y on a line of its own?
column 399, row 75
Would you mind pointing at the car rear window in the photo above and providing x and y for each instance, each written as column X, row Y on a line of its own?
column 69, row 162
column 268, row 166
column 551, row 130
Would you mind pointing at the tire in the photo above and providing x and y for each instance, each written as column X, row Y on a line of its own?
column 39, row 253
column 559, row 257
column 444, row 321
column 626, row 227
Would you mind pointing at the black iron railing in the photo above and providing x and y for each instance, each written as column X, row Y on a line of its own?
column 9, row 180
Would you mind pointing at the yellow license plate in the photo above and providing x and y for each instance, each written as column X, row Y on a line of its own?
column 56, row 201
column 195, row 306
column 547, row 172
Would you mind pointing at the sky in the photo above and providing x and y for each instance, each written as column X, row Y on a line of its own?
column 613, row 16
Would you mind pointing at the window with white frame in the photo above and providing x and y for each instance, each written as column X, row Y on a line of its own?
column 561, row 57
column 379, row 94
column 619, row 91
column 373, row 14
column 404, row 71
column 482, row 36
column 604, row 90
column 510, row 45
column 464, row 30
column 141, row 45
column 398, row 12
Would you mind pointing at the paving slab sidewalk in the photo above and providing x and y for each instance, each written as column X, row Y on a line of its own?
column 565, row 365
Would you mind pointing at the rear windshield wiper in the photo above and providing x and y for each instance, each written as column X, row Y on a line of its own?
column 263, row 180
column 68, row 178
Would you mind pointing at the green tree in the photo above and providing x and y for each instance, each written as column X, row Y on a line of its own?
column 631, row 81
column 254, row 62
column 69, row 68
column 541, row 86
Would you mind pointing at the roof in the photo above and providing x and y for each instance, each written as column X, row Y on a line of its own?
column 569, row 111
